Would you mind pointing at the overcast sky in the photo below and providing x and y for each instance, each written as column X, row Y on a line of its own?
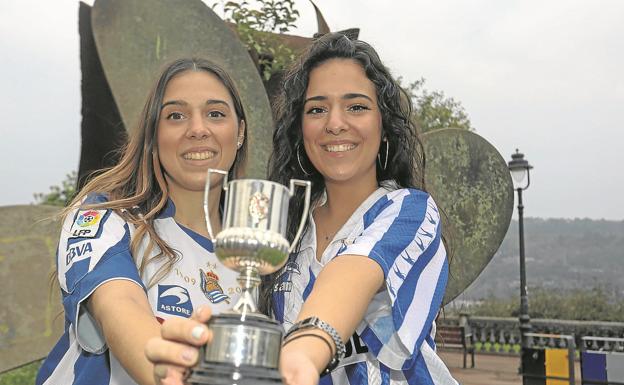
column 541, row 76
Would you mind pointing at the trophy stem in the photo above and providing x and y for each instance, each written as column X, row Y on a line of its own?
column 245, row 305
column 248, row 279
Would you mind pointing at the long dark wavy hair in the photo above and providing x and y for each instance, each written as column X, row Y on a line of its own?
column 135, row 186
column 406, row 159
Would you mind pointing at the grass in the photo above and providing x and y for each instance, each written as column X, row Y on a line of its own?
column 24, row 375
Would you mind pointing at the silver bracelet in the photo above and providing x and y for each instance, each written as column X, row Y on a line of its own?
column 315, row 322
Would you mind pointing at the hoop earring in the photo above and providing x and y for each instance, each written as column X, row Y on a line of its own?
column 299, row 161
column 385, row 164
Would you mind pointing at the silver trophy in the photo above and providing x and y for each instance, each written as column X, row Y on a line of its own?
column 246, row 344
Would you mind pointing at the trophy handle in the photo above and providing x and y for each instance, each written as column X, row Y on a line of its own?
column 206, row 193
column 306, row 206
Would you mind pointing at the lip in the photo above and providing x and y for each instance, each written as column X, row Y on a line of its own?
column 199, row 150
column 336, row 143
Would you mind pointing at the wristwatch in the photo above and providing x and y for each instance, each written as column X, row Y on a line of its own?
column 317, row 323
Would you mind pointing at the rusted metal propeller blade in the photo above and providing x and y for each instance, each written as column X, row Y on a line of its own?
column 32, row 319
column 321, row 24
column 134, row 38
column 471, row 184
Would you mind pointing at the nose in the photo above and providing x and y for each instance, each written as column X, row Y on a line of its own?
column 197, row 128
column 336, row 122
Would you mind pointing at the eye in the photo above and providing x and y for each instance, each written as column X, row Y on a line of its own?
column 315, row 110
column 215, row 114
column 175, row 116
column 358, row 108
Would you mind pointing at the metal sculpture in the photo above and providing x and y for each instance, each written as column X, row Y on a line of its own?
column 470, row 182
column 123, row 43
column 31, row 322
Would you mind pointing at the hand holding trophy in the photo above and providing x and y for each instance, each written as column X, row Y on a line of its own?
column 246, row 344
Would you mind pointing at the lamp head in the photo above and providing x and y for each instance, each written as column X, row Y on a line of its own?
column 519, row 168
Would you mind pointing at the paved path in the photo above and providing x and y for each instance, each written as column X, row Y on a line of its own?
column 489, row 369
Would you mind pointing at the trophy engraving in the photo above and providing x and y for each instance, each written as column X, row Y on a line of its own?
column 246, row 344
column 258, row 206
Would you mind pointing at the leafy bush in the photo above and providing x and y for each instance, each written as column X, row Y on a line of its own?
column 59, row 195
column 255, row 21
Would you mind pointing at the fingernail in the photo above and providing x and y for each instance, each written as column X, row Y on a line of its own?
column 198, row 332
column 189, row 355
column 160, row 371
column 199, row 311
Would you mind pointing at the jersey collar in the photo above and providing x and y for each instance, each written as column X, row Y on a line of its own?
column 308, row 240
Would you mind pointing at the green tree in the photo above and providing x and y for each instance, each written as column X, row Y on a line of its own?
column 434, row 110
column 255, row 21
column 582, row 304
column 59, row 195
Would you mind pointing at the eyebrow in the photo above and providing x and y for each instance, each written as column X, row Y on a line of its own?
column 183, row 103
column 351, row 95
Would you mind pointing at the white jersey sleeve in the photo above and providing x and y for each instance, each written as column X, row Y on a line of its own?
column 94, row 248
column 402, row 233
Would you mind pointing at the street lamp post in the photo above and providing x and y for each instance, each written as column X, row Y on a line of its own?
column 519, row 168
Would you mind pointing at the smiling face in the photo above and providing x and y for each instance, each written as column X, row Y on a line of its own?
column 197, row 129
column 342, row 122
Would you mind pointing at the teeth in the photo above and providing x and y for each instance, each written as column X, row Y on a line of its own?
column 339, row 147
column 199, row 155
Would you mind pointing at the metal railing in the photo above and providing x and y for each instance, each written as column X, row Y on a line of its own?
column 494, row 335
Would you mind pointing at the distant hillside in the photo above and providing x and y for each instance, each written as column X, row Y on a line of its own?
column 560, row 253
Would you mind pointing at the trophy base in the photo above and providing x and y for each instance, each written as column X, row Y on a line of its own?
column 244, row 350
column 223, row 374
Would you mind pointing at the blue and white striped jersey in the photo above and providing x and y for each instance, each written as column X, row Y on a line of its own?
column 394, row 343
column 94, row 248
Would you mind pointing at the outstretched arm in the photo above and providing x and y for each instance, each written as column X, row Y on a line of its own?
column 121, row 309
column 340, row 297
column 103, row 294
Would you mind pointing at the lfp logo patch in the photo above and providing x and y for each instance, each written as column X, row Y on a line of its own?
column 175, row 300
column 87, row 223
column 88, row 218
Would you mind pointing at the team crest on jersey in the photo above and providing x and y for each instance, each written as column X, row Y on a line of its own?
column 175, row 300
column 211, row 288
column 87, row 223
column 284, row 280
